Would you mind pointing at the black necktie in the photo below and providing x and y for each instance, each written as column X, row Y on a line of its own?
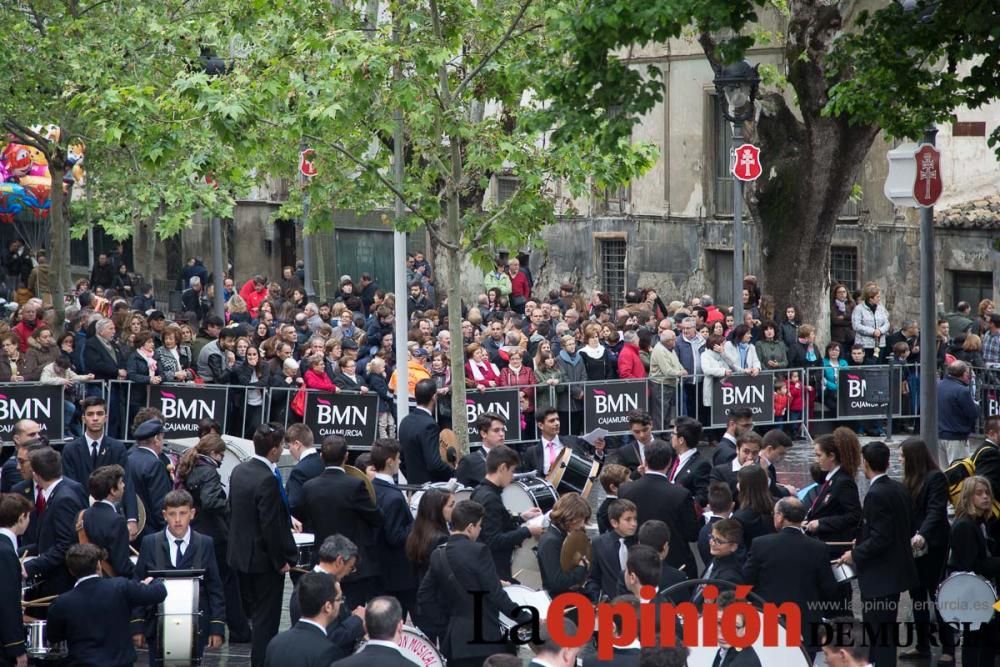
column 179, row 543
column 94, row 448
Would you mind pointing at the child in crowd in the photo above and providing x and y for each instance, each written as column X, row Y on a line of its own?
column 780, row 400
column 386, row 405
column 612, row 477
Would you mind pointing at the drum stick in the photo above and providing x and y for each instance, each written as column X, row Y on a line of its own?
column 839, row 544
column 299, row 570
column 517, row 574
column 39, row 602
column 135, row 552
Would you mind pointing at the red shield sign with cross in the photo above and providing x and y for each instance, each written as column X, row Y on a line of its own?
column 306, row 167
column 746, row 166
column 927, row 188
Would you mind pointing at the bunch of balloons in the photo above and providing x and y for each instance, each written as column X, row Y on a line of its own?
column 25, row 181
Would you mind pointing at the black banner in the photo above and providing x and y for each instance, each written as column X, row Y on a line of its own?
column 743, row 391
column 865, row 392
column 608, row 406
column 184, row 405
column 40, row 403
column 352, row 416
column 505, row 404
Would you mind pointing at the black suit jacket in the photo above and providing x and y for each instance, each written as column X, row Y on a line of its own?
column 971, row 549
column 621, row 657
column 98, row 361
column 108, row 642
column 605, row 579
column 883, row 554
column 725, row 451
column 335, row 503
column 754, row 524
column 693, row 475
column 554, row 579
column 151, row 483
column 790, row 566
column 303, row 645
column 260, row 531
column 988, row 463
column 154, row 554
column 728, row 568
column 458, row 567
column 28, row 543
column 656, row 498
column 106, row 528
column 628, row 456
column 9, row 475
column 307, row 468
column 370, row 656
column 838, row 510
column 419, row 441
column 390, row 539
column 501, row 532
column 534, row 458
column 78, row 464
column 724, row 473
column 603, row 522
column 931, row 510
column 472, row 468
column 11, row 620
column 776, row 490
column 344, row 632
column 737, row 658
column 56, row 534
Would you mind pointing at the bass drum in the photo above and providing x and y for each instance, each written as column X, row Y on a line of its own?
column 417, row 647
column 460, row 492
column 238, row 450
column 178, row 623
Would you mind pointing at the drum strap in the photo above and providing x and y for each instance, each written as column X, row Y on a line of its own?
column 163, row 555
column 451, row 573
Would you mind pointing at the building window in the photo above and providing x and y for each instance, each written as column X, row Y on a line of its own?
column 719, row 264
column 971, row 287
column 612, row 257
column 722, row 135
column 507, row 187
column 844, row 267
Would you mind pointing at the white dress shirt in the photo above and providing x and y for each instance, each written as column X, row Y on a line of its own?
column 172, row 544
column 550, row 459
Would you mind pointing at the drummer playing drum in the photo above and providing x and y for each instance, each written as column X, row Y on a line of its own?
column 15, row 513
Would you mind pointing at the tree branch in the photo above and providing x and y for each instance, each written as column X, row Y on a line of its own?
column 492, row 52
column 25, row 135
column 91, row 7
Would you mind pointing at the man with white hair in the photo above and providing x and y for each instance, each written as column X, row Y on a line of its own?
column 443, row 341
column 193, row 299
column 688, row 349
column 664, row 371
column 313, row 320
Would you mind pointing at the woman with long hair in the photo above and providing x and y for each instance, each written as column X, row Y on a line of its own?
column 756, row 512
column 929, row 490
column 569, row 514
column 841, row 310
column 972, row 551
column 835, row 514
column 429, row 531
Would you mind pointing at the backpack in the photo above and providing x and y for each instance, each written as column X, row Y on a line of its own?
column 961, row 470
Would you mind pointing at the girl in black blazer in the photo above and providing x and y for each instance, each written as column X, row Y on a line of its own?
column 571, row 512
column 835, row 514
column 429, row 531
column 756, row 512
column 929, row 490
column 973, row 551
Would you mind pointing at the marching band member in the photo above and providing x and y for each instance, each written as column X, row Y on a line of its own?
column 103, row 525
column 492, row 433
column 690, row 469
column 612, row 477
column 93, row 616
column 610, row 552
column 632, row 454
column 261, row 546
column 748, row 446
column 541, row 457
column 457, row 567
column 643, row 569
column 570, row 513
column 420, row 437
column 180, row 548
column 672, row 504
column 58, row 503
column 95, row 449
column 336, row 503
column 398, row 577
column 501, row 532
column 384, row 622
column 23, row 433
column 306, row 643
column 15, row 512
column 27, row 542
column 430, row 530
column 656, row 534
column 145, row 468
column 972, row 550
column 308, row 463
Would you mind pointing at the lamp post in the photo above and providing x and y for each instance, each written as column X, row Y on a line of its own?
column 736, row 85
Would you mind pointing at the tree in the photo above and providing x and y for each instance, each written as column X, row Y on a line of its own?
column 848, row 73
column 455, row 73
column 105, row 73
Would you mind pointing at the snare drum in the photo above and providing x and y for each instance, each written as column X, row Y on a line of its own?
column 524, row 494
column 966, row 597
column 574, row 473
column 461, row 493
column 523, row 596
column 305, row 543
column 178, row 623
column 37, row 644
column 417, row 647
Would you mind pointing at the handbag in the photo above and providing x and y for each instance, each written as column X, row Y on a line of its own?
column 299, row 402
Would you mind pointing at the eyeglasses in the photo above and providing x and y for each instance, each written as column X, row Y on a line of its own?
column 338, row 599
column 718, row 540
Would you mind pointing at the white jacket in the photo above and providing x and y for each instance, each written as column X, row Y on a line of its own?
column 733, row 354
column 865, row 322
column 714, row 365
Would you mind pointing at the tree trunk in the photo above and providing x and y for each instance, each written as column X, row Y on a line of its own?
column 58, row 235
column 454, row 235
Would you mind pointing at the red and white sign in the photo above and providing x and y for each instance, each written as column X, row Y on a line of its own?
column 746, row 166
column 306, row 167
column 927, row 188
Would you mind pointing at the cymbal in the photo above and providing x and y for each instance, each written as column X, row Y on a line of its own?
column 447, row 439
column 360, row 474
column 575, row 546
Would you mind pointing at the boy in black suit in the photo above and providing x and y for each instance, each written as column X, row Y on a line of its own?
column 305, row 644
column 748, row 450
column 540, row 457
column 492, row 430
column 727, row 537
column 15, row 514
column 103, row 525
column 882, row 553
column 419, row 436
column 180, row 548
column 610, row 552
column 300, row 444
column 656, row 534
column 93, row 617
column 398, row 576
column 721, row 506
column 502, row 532
column 384, row 622
column 727, row 655
column 612, row 477
column 689, row 469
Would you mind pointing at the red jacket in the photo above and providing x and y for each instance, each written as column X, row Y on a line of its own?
column 508, row 378
column 319, row 381
column 252, row 296
column 519, row 286
column 629, row 362
column 780, row 404
column 23, row 333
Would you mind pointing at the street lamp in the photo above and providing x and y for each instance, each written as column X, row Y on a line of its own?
column 736, row 85
column 213, row 65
